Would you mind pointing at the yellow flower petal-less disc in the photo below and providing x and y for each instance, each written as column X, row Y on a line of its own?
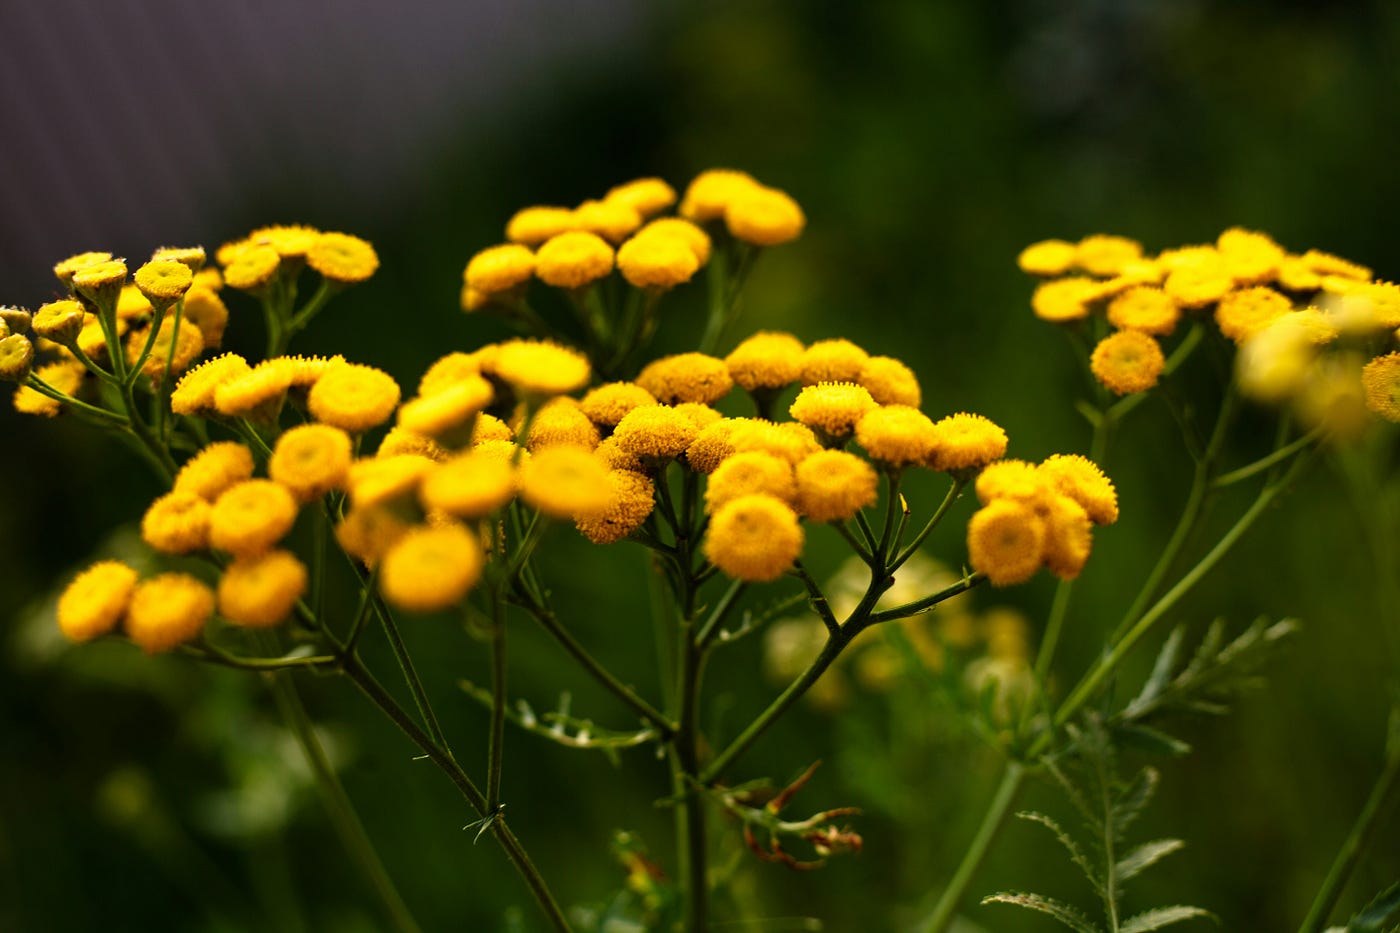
column 754, row 537
column 431, row 568
column 177, row 523
column 215, row 468
column 311, row 460
column 167, row 610
column 353, row 397
column 261, row 591
column 1006, row 541
column 1128, row 361
column 95, row 601
column 833, row 485
column 251, row 517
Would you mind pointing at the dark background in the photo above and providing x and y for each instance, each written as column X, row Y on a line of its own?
column 928, row 142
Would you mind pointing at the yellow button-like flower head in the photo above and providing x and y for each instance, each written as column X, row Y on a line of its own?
column 341, row 257
column 499, row 269
column 195, row 392
column 646, row 196
column 59, row 321
column 754, row 538
column 1104, row 255
column 655, row 433
column 836, row 360
column 261, row 591
column 1068, row 537
column 832, row 408
column 251, row 517
column 966, row 442
column 1380, row 378
column 614, row 221
column 177, row 523
column 712, row 191
column 1081, row 479
column 446, row 410
column 66, row 377
column 95, row 601
column 1013, row 479
column 686, row 377
column 365, row 533
column 573, row 259
column 631, row 501
column 764, row 217
column 606, row 405
column 712, row 445
column 431, row 568
column 16, row 358
column 257, row 393
column 101, row 282
column 470, row 485
column 561, row 421
column 311, row 460
column 833, row 485
column 897, row 435
column 539, row 368
column 1242, row 314
column 191, row 256
column 533, row 225
column 353, row 397
column 656, row 260
column 1146, row 308
column 206, row 310
column 1128, row 361
column 677, row 227
column 1047, row 258
column 384, row 480
column 1062, row 300
column 768, row 360
column 1006, row 541
column 1252, row 257
column 167, row 610
column 163, row 281
column 890, row 382
column 747, row 473
column 215, row 468
column 65, row 269
column 566, row 482
column 252, row 268
column 792, row 441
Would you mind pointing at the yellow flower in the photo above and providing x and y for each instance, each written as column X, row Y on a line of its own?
column 382, row 480
column 655, row 433
column 250, row 517
column 533, row 225
column 167, row 610
column 764, row 217
column 686, row 377
column 1199, row 278
column 1380, row 378
column 631, row 501
column 447, row 409
column 789, row 440
column 573, row 259
column 261, row 591
column 256, row 393
column 189, row 343
column 1068, row 537
column 195, row 392
column 1047, row 258
column 1333, row 398
column 1128, row 361
column 16, row 357
column 59, row 321
column 890, row 382
column 1242, row 314
column 561, row 421
column 353, row 397
column 1296, row 275
column 1274, row 363
column 833, row 485
column 1105, row 256
column 966, row 442
column 676, row 227
column 65, row 269
column 565, row 482
column 215, row 468
column 1013, row 479
column 614, row 221
column 163, row 281
column 92, row 340
column 832, row 408
column 291, row 241
column 191, row 256
column 539, row 368
column 101, row 282
column 766, row 360
column 206, row 310
column 365, row 533
column 311, row 460
column 341, row 257
column 403, row 441
column 470, row 485
column 491, row 428
column 252, row 267
column 617, row 457
column 499, row 269
column 447, row 371
column 754, row 538
column 1005, row 541
column 1080, row 479
column 711, row 192
column 1146, row 308
column 897, row 435
column 712, row 445
column 1063, row 300
column 431, row 568
column 177, row 523
column 836, row 360
column 656, row 260
column 95, row 601
column 646, row 196
column 1251, row 257
column 606, row 405
column 747, row 473
column 1324, row 264
column 66, row 377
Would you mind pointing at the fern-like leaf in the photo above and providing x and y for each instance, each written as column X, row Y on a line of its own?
column 1064, row 913
column 1133, row 800
column 1076, row 854
column 1382, row 908
column 1160, row 917
column 1145, row 856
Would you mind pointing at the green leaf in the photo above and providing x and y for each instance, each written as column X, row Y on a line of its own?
column 1136, row 797
column 1064, row 913
column 1380, row 910
column 1151, row 740
column 1160, row 917
column 1145, row 856
column 1163, row 667
column 1075, row 853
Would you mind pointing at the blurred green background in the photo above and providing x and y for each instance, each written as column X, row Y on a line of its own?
column 928, row 143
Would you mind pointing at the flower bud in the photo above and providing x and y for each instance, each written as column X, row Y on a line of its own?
column 17, row 319
column 16, row 358
column 59, row 321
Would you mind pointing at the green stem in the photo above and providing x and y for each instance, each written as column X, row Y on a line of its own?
column 717, row 616
column 992, row 822
column 101, row 414
column 695, row 864
column 1264, row 463
column 496, row 748
column 953, row 493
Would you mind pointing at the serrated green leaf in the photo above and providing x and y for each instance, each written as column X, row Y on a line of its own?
column 1134, row 799
column 1075, row 797
column 1151, row 740
column 1378, row 912
column 1162, row 916
column 1064, row 913
column 1162, row 668
column 1145, row 856
column 1075, row 853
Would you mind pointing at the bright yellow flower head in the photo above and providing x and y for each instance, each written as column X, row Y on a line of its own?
column 431, row 568
column 65, row 269
column 1274, row 364
column 250, row 517
column 1325, row 264
column 764, row 217
column 754, row 538
column 897, row 435
column 1333, row 398
column 383, row 480
column 177, row 523
column 533, row 225
column 447, row 409
column 1242, row 314
column 1128, row 361
column 836, row 360
column 292, row 241
column 1251, row 257
column 311, row 460
column 1047, row 258
column 353, row 397
column 1105, row 256
column 539, row 368
column 59, row 321
column 655, row 432
column 747, row 473
column 1068, row 537
column 766, row 360
column 66, row 377
column 686, row 377
column 1080, row 479
column 702, row 416
column 1006, row 541
column 1146, row 308
column 256, row 393
column 163, row 281
column 16, row 357
column 1067, row 299
column 890, row 382
column 252, row 267
column 712, row 445
column 632, row 500
column 617, row 457
column 561, row 421
column 832, row 408
column 646, row 196
column 573, row 259
column 491, row 428
column 966, row 442
column 711, row 192
column 679, row 228
column 366, row 533
column 191, row 256
column 470, row 485
column 565, row 482
column 1380, row 378
column 189, row 343
column 1199, row 277
column 447, row 371
column 195, row 392
column 95, row 601
column 656, row 260
column 789, row 440
column 614, row 221
column 261, row 591
column 101, row 282
column 207, row 311
column 833, row 485
column 167, row 610
column 499, row 268
column 403, row 441
column 606, row 405
column 1013, row 479
column 341, row 257
column 215, row 468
